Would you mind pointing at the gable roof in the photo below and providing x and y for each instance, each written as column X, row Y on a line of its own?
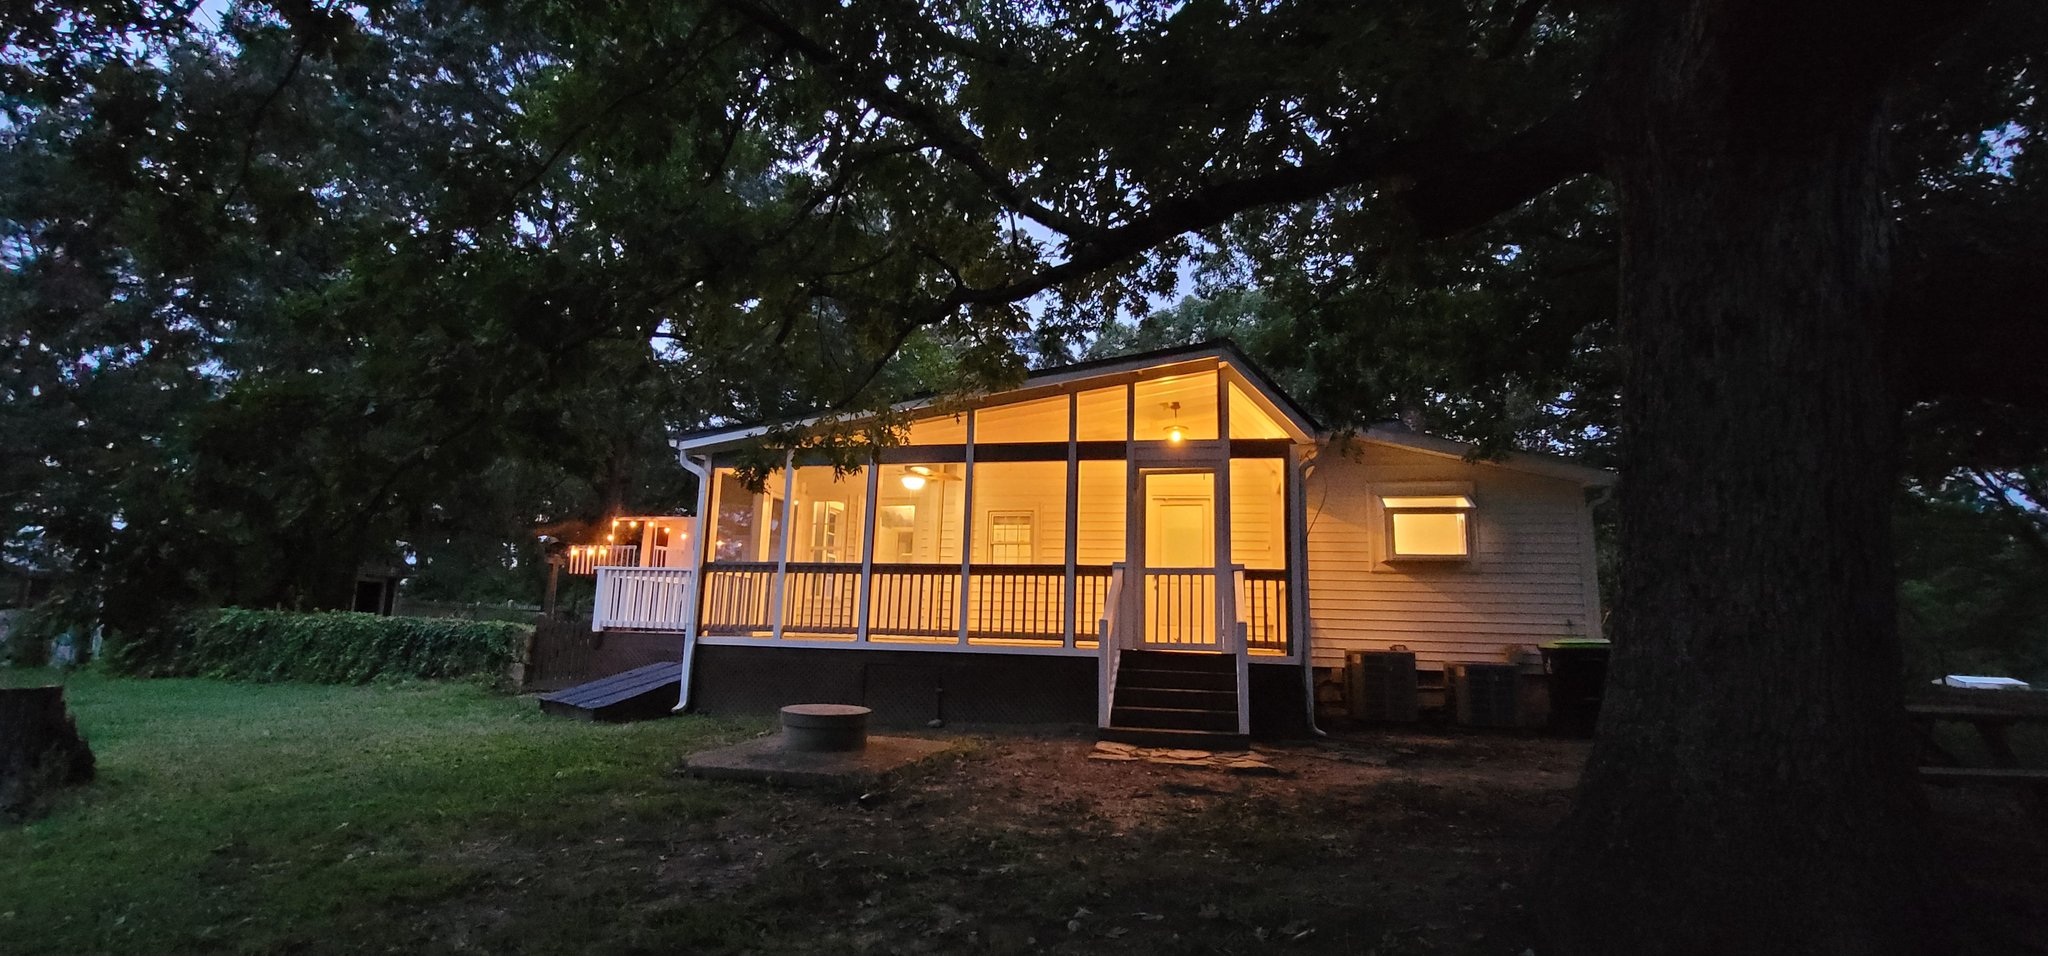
column 1072, row 377
column 1528, row 462
column 1047, row 382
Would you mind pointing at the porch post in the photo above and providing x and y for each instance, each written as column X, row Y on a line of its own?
column 867, row 549
column 782, row 543
column 1132, row 598
column 1296, row 538
column 966, row 525
column 1229, row 636
column 1073, row 542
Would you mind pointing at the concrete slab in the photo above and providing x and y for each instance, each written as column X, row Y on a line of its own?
column 766, row 761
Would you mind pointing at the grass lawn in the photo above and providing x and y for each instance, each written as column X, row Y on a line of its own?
column 445, row 818
column 277, row 817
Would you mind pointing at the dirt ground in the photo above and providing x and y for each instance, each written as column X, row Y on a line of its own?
column 1362, row 843
column 1375, row 843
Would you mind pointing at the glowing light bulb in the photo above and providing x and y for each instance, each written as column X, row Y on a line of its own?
column 913, row 482
column 1174, row 434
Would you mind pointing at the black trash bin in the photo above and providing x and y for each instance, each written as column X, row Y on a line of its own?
column 1578, row 676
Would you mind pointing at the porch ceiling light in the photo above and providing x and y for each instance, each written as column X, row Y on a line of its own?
column 915, row 476
column 1174, row 431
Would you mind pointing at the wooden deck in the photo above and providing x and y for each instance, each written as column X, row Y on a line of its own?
column 637, row 694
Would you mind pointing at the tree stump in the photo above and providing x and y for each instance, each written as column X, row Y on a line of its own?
column 40, row 748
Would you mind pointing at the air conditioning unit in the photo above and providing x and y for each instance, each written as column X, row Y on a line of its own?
column 1487, row 695
column 1380, row 685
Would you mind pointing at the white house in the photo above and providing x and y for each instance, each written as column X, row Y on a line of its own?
column 1161, row 542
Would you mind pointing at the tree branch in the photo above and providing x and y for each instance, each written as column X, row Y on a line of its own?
column 949, row 136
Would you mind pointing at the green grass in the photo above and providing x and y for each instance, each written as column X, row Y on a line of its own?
column 266, row 818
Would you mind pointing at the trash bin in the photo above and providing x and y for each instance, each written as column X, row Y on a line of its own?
column 1578, row 677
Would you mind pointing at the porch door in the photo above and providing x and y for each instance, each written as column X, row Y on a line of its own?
column 1177, row 597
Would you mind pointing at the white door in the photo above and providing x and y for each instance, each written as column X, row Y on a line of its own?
column 1178, row 568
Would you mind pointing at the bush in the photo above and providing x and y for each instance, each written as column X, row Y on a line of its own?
column 330, row 647
column 27, row 642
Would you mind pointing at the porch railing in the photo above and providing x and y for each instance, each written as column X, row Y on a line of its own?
column 587, row 558
column 1262, row 606
column 736, row 597
column 1109, row 652
column 641, row 598
column 1180, row 608
column 1012, row 603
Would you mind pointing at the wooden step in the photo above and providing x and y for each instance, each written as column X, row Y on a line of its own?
column 1188, row 739
column 1188, row 698
column 1173, row 718
column 1178, row 661
column 1176, row 680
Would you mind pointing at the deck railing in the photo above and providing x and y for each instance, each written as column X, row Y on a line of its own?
column 587, row 558
column 640, row 598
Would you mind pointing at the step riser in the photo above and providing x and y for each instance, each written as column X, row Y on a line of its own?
column 1175, row 661
column 1176, row 697
column 1176, row 680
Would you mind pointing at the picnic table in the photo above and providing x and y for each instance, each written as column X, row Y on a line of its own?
column 1993, row 713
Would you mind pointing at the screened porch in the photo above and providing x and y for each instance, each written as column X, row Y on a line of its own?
column 1010, row 525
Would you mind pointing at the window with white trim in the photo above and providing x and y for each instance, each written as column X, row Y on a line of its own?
column 1009, row 537
column 1428, row 527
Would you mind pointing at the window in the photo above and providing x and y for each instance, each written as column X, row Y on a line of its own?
column 896, row 539
column 826, row 518
column 1428, row 527
column 1009, row 537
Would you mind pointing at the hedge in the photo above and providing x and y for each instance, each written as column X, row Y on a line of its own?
column 332, row 647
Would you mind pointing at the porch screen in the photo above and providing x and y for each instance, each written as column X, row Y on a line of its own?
column 1017, row 581
column 1183, row 404
column 828, row 513
column 743, row 546
column 914, row 593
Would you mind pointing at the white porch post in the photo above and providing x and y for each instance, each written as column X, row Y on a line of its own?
column 782, row 542
column 1296, row 537
column 1132, row 598
column 966, row 526
column 1229, row 635
column 867, row 550
column 1073, row 542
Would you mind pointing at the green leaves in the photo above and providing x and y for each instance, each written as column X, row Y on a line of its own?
column 326, row 648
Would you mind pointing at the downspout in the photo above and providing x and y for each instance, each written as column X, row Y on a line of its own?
column 1300, row 463
column 703, row 473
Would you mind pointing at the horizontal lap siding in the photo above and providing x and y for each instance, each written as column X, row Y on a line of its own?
column 1530, row 578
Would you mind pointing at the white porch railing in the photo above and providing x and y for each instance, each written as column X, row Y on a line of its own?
column 587, row 558
column 1113, row 639
column 649, row 599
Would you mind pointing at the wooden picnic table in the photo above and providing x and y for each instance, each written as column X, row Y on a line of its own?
column 1992, row 713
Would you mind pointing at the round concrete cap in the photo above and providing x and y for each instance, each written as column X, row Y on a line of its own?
column 824, row 727
column 826, row 710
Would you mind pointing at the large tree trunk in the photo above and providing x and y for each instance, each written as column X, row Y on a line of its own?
column 1750, row 790
column 40, row 748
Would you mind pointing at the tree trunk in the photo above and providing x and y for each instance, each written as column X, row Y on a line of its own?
column 1750, row 790
column 40, row 748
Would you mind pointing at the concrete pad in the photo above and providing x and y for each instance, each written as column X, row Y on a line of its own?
column 766, row 761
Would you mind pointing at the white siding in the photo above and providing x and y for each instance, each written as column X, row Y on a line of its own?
column 1529, row 580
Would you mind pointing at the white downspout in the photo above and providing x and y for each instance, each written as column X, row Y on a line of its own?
column 697, row 546
column 1299, row 464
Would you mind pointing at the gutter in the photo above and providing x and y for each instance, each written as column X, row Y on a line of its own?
column 1299, row 464
column 703, row 473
